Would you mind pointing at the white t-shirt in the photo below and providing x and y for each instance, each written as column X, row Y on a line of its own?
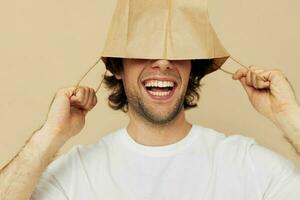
column 204, row 165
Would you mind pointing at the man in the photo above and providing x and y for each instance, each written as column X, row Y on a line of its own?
column 159, row 155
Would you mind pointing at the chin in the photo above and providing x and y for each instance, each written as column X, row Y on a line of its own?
column 161, row 116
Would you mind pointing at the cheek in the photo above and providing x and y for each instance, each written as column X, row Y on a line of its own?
column 132, row 74
column 185, row 77
column 130, row 80
column 185, row 73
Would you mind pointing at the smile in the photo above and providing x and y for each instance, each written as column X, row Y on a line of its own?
column 160, row 89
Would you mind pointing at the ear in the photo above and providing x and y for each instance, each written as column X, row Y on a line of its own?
column 118, row 76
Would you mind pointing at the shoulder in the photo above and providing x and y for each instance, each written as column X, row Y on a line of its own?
column 84, row 156
column 239, row 150
column 220, row 142
column 238, row 145
column 249, row 164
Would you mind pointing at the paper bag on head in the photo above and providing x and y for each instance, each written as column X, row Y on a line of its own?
column 163, row 29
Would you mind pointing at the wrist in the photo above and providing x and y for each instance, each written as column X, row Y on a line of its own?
column 288, row 119
column 55, row 132
column 40, row 150
column 48, row 140
column 288, row 111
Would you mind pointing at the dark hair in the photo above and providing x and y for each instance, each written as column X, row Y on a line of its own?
column 118, row 100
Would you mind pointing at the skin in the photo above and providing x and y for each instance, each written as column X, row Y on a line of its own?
column 273, row 98
column 65, row 119
column 163, row 131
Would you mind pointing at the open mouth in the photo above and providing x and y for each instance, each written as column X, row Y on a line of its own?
column 160, row 89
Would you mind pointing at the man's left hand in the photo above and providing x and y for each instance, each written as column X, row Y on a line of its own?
column 269, row 91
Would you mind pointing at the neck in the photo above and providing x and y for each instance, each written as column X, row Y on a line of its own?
column 149, row 134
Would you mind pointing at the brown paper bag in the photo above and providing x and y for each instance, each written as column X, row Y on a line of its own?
column 163, row 29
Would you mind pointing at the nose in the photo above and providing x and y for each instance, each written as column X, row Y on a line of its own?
column 162, row 64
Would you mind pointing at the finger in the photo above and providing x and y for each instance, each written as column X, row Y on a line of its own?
column 262, row 78
column 65, row 91
column 89, row 105
column 86, row 96
column 249, row 90
column 276, row 75
column 254, row 79
column 95, row 100
column 243, row 72
column 253, row 69
column 248, row 78
column 239, row 74
column 259, row 80
column 78, row 97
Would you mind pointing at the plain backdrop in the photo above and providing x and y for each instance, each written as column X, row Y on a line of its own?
column 47, row 45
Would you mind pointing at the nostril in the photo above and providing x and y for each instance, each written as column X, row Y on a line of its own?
column 162, row 64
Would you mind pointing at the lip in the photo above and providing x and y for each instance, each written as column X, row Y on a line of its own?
column 159, row 78
column 161, row 99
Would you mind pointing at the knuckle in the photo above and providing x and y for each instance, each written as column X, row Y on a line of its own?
column 88, row 91
column 248, row 81
column 62, row 90
column 95, row 101
column 85, row 88
column 92, row 90
column 88, row 108
column 240, row 71
column 259, row 71
column 80, row 94
column 252, row 67
column 248, row 75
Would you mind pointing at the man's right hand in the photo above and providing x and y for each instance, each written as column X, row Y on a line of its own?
column 67, row 113
column 65, row 119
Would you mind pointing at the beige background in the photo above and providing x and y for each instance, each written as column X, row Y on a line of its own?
column 46, row 45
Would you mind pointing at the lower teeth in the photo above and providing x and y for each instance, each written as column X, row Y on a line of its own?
column 161, row 94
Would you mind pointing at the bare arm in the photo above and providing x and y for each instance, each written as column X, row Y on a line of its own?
column 65, row 119
column 272, row 95
column 18, row 179
column 289, row 122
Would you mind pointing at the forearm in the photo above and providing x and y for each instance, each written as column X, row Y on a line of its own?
column 289, row 123
column 19, row 178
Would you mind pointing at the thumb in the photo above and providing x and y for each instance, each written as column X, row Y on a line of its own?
column 249, row 90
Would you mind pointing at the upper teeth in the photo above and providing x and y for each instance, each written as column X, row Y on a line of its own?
column 157, row 83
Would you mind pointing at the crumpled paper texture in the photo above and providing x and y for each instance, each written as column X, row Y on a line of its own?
column 163, row 29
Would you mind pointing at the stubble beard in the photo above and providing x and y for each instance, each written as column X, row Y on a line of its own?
column 155, row 118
